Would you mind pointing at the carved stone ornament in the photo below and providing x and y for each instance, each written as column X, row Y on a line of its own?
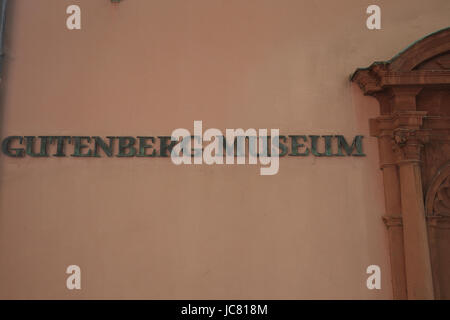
column 438, row 196
column 407, row 143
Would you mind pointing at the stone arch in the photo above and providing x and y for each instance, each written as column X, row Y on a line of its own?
column 421, row 51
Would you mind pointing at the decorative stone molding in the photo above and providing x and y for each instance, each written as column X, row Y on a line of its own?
column 437, row 201
column 441, row 203
column 439, row 222
column 405, row 68
column 414, row 128
column 393, row 221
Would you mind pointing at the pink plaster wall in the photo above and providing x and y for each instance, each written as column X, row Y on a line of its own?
column 145, row 228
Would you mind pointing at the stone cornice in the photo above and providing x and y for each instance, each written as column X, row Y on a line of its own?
column 373, row 81
column 402, row 70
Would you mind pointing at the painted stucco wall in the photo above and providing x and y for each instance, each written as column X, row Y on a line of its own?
column 145, row 228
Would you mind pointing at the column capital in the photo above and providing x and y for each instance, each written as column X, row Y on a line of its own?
column 387, row 124
column 408, row 144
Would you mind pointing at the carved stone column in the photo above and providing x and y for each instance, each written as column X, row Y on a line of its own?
column 393, row 217
column 396, row 254
column 408, row 144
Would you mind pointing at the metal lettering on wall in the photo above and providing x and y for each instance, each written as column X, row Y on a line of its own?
column 161, row 146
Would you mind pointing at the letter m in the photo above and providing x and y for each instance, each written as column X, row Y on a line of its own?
column 356, row 144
